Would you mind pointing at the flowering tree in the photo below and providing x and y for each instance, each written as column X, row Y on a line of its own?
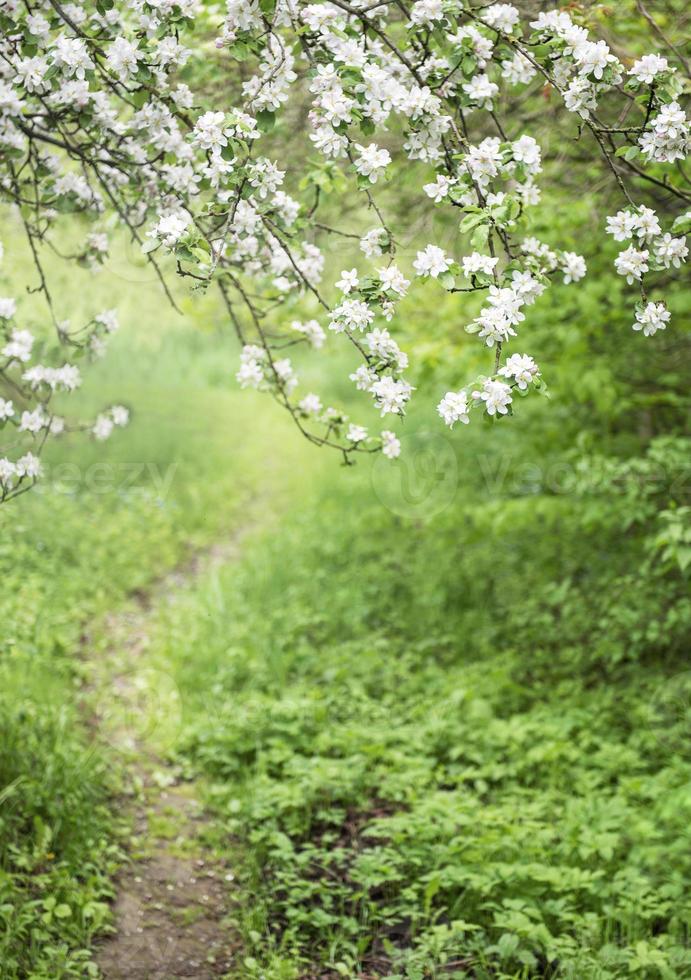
column 106, row 111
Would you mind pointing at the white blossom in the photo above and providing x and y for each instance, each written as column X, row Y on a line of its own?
column 352, row 314
column 391, row 395
column 481, row 90
column 518, row 70
column 621, row 225
column 653, row 317
column 496, row 395
column 8, row 471
column 501, row 16
column 364, row 377
column 34, row 421
column 372, row 161
column 479, row 263
column 667, row 139
column 123, row 57
column 71, row 55
column 439, row 189
column 392, row 279
column 581, row 97
column 356, row 433
column 28, row 465
column 647, row 224
column 431, row 261
column 527, row 150
column 349, row 280
column 311, row 404
column 391, row 446
column 573, row 266
column 526, row 286
column 454, row 408
column 372, row 242
column 102, row 428
column 312, row 330
column 632, row 263
column 108, row 319
column 171, row 228
column 8, row 308
column 647, row 68
column 671, row 252
column 426, row 11
column 19, row 346
column 285, row 375
column 522, row 368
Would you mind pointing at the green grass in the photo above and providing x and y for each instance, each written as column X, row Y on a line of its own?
column 68, row 554
column 446, row 746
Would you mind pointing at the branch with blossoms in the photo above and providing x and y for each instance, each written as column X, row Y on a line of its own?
column 28, row 383
column 100, row 116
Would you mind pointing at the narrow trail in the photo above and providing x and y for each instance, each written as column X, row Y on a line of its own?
column 173, row 897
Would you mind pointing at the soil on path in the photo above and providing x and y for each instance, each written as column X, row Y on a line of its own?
column 171, row 901
column 174, row 896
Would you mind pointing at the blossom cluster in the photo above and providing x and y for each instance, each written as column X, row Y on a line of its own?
column 106, row 110
column 650, row 250
column 494, row 395
column 29, row 382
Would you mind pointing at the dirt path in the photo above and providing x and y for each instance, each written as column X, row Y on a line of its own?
column 173, row 897
column 171, row 900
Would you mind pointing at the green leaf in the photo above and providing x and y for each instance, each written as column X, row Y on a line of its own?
column 507, row 945
column 480, row 237
column 471, row 221
column 682, row 224
column 266, row 120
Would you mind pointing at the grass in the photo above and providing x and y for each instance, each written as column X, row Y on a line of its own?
column 435, row 745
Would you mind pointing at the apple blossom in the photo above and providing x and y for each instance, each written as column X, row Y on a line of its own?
column 431, row 261
column 391, row 445
column 650, row 319
column 95, row 120
column 454, row 408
